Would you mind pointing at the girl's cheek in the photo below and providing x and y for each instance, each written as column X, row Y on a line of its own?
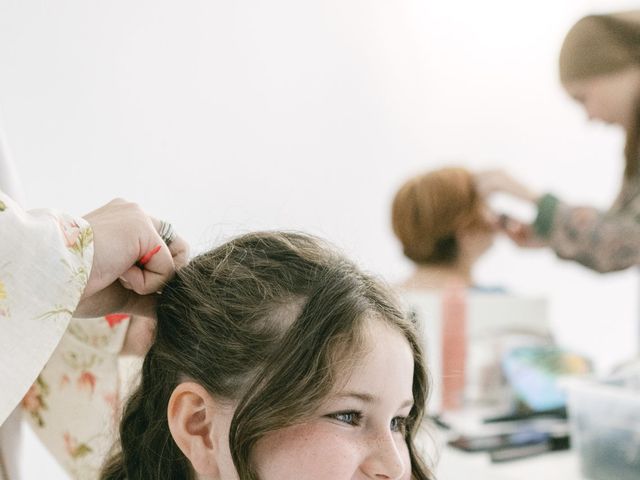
column 308, row 449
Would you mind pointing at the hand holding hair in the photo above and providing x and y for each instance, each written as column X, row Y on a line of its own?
column 131, row 260
column 522, row 234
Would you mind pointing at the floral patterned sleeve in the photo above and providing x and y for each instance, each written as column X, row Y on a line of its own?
column 602, row 241
column 72, row 406
column 45, row 261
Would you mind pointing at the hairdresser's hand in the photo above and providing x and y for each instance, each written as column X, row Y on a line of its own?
column 493, row 181
column 123, row 234
column 522, row 234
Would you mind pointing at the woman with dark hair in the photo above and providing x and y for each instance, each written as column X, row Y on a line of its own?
column 275, row 358
column 600, row 69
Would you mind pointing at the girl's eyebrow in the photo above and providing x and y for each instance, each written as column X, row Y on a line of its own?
column 367, row 398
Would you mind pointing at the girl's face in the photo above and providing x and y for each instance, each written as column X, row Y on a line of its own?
column 359, row 431
column 611, row 98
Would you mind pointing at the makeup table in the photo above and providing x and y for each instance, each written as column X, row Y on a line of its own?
column 455, row 464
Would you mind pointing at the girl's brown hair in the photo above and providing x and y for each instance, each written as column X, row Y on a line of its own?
column 603, row 44
column 266, row 320
column 429, row 210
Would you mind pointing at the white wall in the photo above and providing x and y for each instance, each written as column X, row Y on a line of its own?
column 225, row 116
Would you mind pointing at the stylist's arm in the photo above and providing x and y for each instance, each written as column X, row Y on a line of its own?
column 53, row 265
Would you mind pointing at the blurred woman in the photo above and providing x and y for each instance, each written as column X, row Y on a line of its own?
column 600, row 69
column 445, row 227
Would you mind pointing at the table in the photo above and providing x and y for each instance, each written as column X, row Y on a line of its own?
column 455, row 464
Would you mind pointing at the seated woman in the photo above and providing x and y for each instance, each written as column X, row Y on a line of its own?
column 444, row 228
column 275, row 358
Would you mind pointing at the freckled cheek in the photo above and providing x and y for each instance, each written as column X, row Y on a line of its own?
column 309, row 452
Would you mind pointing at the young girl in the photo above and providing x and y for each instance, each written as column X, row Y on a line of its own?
column 275, row 358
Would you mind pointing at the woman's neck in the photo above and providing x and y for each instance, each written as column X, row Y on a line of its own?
column 437, row 277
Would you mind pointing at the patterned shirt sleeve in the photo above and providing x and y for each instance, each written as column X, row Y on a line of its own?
column 602, row 241
column 45, row 261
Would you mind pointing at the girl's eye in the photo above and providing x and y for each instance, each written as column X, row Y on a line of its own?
column 399, row 424
column 350, row 418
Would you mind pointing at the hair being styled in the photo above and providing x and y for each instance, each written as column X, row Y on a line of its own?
column 600, row 45
column 430, row 209
column 269, row 321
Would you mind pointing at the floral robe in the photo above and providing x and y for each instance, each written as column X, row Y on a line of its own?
column 45, row 261
column 73, row 405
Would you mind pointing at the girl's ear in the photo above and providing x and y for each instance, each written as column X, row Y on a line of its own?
column 192, row 415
